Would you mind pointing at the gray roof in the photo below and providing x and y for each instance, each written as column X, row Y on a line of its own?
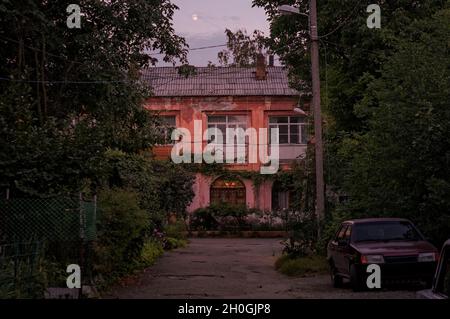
column 218, row 81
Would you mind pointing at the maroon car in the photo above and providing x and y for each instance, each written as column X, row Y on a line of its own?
column 395, row 244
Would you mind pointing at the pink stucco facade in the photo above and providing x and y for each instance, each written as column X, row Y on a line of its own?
column 257, row 110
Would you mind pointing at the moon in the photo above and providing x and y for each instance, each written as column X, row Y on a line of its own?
column 194, row 17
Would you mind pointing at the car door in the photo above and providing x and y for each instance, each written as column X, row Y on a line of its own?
column 346, row 250
column 442, row 285
column 338, row 257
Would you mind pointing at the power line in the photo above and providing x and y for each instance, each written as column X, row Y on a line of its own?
column 346, row 20
column 61, row 82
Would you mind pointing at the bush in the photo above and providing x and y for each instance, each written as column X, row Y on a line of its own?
column 151, row 251
column 301, row 266
column 122, row 228
column 177, row 230
column 222, row 216
column 174, row 243
column 203, row 219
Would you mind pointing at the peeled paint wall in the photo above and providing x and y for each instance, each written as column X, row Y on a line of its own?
column 257, row 109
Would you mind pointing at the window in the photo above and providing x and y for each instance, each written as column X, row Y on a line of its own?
column 224, row 122
column 341, row 232
column 348, row 233
column 227, row 121
column 280, row 197
column 291, row 129
column 230, row 191
column 386, row 231
column 168, row 124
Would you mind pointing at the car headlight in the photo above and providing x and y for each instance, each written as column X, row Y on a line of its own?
column 427, row 257
column 372, row 259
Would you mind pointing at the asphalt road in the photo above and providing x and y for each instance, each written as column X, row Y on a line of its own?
column 233, row 268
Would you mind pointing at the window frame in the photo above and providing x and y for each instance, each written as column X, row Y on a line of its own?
column 302, row 125
column 166, row 129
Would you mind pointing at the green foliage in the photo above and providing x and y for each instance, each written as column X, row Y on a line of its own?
column 203, row 219
column 122, row 231
column 163, row 187
column 220, row 216
column 301, row 267
column 241, row 48
column 151, row 251
column 176, row 230
column 399, row 167
column 69, row 94
column 385, row 96
column 174, row 243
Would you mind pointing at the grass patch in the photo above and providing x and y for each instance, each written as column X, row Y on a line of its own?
column 151, row 251
column 302, row 266
column 174, row 243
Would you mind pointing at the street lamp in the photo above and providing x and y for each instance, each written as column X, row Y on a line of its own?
column 287, row 9
column 320, row 186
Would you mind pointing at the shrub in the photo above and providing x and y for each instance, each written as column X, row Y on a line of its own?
column 177, row 230
column 151, row 250
column 203, row 219
column 221, row 216
column 174, row 243
column 301, row 266
column 122, row 229
column 302, row 235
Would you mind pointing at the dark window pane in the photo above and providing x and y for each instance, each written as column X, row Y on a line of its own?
column 216, row 119
column 283, row 129
column 297, row 119
column 168, row 120
column 294, row 129
column 284, row 139
column 295, row 139
column 385, row 231
column 278, row 119
column 237, row 119
column 305, row 134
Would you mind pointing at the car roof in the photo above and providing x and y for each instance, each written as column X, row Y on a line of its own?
column 374, row 220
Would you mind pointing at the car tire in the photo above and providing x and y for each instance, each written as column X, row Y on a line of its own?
column 336, row 280
column 355, row 279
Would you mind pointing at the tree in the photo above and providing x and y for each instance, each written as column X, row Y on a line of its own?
column 400, row 165
column 242, row 48
column 69, row 94
column 384, row 96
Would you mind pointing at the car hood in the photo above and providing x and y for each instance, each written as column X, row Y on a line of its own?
column 394, row 248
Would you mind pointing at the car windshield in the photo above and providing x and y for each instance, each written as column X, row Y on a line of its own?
column 385, row 231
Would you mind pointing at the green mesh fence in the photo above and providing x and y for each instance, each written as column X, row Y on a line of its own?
column 53, row 219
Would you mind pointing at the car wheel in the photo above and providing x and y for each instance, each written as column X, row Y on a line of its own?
column 336, row 280
column 355, row 279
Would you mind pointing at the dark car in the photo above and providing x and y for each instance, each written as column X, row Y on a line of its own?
column 394, row 244
column 441, row 283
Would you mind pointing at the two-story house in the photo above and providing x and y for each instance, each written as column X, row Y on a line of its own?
column 232, row 97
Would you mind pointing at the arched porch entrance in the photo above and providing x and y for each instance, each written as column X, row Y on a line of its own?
column 230, row 191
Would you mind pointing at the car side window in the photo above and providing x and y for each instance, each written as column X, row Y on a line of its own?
column 341, row 233
column 348, row 233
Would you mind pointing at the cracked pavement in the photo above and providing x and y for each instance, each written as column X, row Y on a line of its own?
column 239, row 268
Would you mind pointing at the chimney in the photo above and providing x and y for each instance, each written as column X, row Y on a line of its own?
column 260, row 67
column 271, row 60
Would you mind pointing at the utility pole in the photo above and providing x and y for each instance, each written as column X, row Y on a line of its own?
column 320, row 188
